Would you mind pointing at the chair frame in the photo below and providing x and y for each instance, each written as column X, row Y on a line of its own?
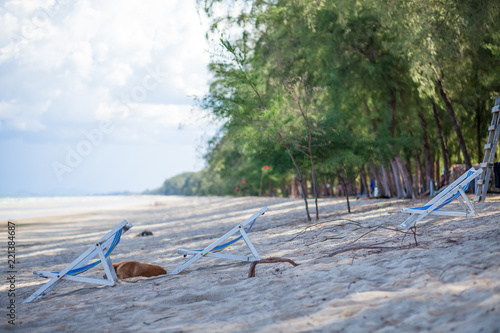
column 95, row 250
column 197, row 254
column 433, row 206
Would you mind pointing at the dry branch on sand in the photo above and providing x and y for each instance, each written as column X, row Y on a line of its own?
column 251, row 272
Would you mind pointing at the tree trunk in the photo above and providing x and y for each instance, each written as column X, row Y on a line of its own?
column 456, row 126
column 397, row 180
column 313, row 176
column 442, row 142
column 300, row 180
column 421, row 179
column 364, row 183
column 392, row 183
column 438, row 172
column 304, row 185
column 346, row 191
column 348, row 203
column 408, row 184
column 409, row 167
column 428, row 160
column 352, row 186
column 479, row 135
column 386, row 182
column 389, row 182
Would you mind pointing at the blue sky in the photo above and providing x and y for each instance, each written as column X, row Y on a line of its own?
column 97, row 96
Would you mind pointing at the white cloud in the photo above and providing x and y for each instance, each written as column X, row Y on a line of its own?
column 83, row 58
column 164, row 115
column 66, row 65
column 7, row 109
column 144, row 123
column 14, row 115
column 118, row 75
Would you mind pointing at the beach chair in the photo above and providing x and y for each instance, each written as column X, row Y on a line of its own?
column 455, row 190
column 102, row 248
column 214, row 248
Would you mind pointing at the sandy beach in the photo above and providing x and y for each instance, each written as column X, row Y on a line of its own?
column 356, row 273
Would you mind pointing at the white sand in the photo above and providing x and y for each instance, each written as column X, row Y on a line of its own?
column 449, row 282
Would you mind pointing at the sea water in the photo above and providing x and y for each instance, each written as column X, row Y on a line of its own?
column 21, row 207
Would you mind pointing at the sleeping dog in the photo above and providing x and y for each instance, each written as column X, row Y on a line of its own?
column 130, row 268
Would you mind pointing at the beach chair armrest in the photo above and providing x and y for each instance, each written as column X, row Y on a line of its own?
column 187, row 252
column 44, row 274
column 413, row 210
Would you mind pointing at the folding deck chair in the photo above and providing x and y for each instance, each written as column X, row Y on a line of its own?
column 455, row 190
column 102, row 248
column 217, row 246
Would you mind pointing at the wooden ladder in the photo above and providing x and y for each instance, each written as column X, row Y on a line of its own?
column 489, row 152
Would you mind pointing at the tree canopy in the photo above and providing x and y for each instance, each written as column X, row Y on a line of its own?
column 329, row 93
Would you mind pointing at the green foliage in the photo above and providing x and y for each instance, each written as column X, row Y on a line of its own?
column 362, row 71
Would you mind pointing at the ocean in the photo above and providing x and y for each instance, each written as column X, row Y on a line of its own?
column 12, row 208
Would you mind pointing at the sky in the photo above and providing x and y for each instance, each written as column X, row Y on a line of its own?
column 97, row 96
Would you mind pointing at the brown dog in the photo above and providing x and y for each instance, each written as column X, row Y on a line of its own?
column 130, row 268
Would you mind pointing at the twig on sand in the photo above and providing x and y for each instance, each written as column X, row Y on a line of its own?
column 315, row 224
column 414, row 231
column 251, row 272
column 169, row 316
column 376, row 246
column 375, row 228
column 359, row 247
column 369, row 247
column 372, row 229
column 323, row 240
column 356, row 223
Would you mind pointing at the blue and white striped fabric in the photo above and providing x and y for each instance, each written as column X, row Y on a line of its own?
column 450, row 199
column 83, row 269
